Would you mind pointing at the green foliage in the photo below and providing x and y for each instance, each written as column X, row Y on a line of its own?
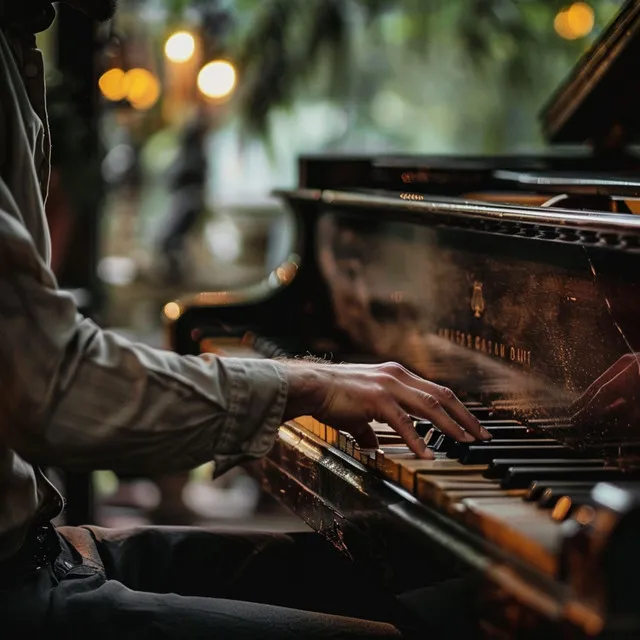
column 292, row 48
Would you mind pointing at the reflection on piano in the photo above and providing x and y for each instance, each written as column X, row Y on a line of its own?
column 516, row 282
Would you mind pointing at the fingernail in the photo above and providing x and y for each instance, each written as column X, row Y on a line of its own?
column 467, row 437
column 485, row 434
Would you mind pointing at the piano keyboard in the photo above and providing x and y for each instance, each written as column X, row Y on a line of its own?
column 516, row 489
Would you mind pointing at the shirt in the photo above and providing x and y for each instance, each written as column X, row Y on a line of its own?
column 73, row 395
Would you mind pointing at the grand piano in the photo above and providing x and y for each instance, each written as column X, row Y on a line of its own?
column 515, row 281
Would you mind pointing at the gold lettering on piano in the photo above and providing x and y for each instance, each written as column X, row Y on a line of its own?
column 477, row 300
column 411, row 196
column 511, row 353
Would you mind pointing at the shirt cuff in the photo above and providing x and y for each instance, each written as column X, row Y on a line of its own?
column 258, row 390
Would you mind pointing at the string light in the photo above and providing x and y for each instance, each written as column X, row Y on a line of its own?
column 217, row 79
column 180, row 47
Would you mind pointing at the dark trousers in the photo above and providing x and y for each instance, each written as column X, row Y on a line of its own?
column 193, row 583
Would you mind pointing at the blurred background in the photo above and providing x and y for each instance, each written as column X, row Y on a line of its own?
column 172, row 124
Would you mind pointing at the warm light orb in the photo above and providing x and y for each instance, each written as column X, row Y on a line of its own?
column 581, row 18
column 217, row 79
column 172, row 310
column 575, row 22
column 180, row 47
column 143, row 88
column 112, row 85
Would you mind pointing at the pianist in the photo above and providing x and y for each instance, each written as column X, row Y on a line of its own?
column 81, row 398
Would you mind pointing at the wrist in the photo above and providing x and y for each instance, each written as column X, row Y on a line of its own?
column 306, row 391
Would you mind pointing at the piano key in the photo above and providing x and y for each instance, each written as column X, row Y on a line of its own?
column 423, row 427
column 537, row 488
column 482, row 413
column 448, row 492
column 522, row 477
column 550, row 497
column 408, row 469
column 513, row 431
column 498, row 468
column 458, row 449
column 389, row 438
column 483, row 454
column 516, row 527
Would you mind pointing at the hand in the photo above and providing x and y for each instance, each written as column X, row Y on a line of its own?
column 613, row 399
column 349, row 397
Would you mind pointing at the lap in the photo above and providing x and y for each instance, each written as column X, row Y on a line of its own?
column 188, row 582
column 300, row 570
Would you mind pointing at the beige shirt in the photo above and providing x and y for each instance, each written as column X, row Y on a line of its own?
column 73, row 395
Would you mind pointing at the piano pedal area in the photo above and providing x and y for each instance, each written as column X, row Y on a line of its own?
column 532, row 497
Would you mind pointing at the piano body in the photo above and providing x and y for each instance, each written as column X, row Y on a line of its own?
column 516, row 282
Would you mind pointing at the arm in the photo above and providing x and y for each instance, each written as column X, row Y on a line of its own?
column 83, row 398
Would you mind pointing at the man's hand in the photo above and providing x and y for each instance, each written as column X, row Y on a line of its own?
column 349, row 397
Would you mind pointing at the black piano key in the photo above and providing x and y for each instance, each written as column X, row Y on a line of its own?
column 484, row 454
column 550, row 497
column 499, row 467
column 513, row 432
column 423, row 427
column 443, row 442
column 537, row 488
column 482, row 413
column 522, row 477
column 458, row 449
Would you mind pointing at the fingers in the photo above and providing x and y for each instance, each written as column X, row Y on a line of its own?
column 365, row 436
column 397, row 418
column 424, row 405
column 459, row 412
column 611, row 394
column 438, row 404
column 612, row 372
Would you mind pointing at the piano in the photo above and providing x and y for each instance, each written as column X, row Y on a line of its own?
column 515, row 281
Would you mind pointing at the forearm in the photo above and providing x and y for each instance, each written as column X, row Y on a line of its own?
column 130, row 408
column 83, row 398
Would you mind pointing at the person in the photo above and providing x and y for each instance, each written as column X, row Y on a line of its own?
column 78, row 397
column 186, row 181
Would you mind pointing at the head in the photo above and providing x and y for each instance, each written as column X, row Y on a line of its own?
column 97, row 9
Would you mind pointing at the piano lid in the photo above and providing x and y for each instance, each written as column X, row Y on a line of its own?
column 597, row 103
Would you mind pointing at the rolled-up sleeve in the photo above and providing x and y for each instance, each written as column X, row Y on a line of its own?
column 79, row 397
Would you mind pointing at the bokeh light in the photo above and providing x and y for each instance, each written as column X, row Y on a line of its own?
column 172, row 310
column 139, row 86
column 180, row 47
column 143, row 88
column 575, row 22
column 112, row 85
column 217, row 79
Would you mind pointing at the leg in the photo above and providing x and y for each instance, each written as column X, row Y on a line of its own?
column 110, row 610
column 300, row 570
column 88, row 599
